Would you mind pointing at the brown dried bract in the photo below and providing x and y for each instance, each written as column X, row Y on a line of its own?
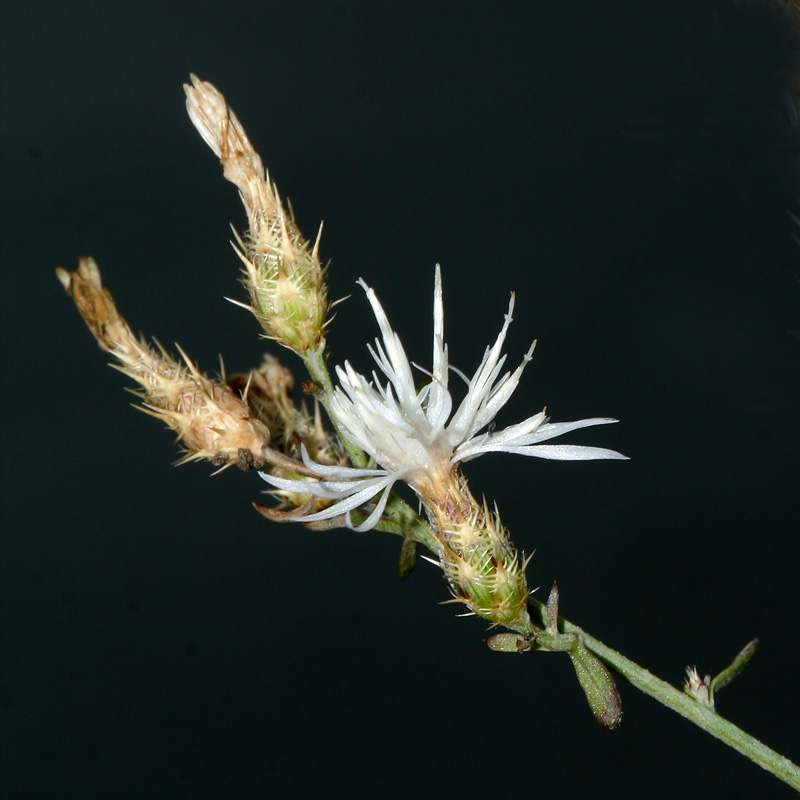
column 212, row 421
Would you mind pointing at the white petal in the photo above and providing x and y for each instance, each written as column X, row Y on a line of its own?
column 566, row 452
column 494, row 442
column 439, row 402
column 502, row 392
column 529, row 444
column 374, row 518
column 325, row 489
column 394, row 361
column 337, row 471
column 330, row 490
column 463, row 423
column 552, row 429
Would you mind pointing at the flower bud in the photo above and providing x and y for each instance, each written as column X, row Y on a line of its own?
column 509, row 643
column 594, row 677
column 477, row 556
column 697, row 687
column 287, row 286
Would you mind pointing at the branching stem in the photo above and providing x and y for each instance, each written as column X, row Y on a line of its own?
column 702, row 716
column 401, row 519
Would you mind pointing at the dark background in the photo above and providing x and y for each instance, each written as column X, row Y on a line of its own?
column 626, row 168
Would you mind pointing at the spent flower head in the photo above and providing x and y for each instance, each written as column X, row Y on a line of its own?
column 212, row 421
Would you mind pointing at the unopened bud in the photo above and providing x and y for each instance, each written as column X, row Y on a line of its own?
column 408, row 558
column 704, row 690
column 509, row 643
column 697, row 687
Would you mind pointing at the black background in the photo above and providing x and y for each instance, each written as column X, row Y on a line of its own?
column 626, row 168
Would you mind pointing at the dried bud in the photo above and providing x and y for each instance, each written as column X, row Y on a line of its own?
column 269, row 394
column 211, row 420
column 287, row 286
column 268, row 391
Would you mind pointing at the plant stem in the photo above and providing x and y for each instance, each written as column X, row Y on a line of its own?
column 318, row 370
column 702, row 716
column 402, row 519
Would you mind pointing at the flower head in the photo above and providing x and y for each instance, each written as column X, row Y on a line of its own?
column 419, row 435
column 287, row 284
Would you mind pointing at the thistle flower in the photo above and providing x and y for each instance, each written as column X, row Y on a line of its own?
column 282, row 272
column 414, row 435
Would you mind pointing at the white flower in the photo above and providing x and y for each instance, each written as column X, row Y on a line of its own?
column 413, row 434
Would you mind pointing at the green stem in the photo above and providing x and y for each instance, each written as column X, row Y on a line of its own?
column 702, row 716
column 405, row 521
column 318, row 370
